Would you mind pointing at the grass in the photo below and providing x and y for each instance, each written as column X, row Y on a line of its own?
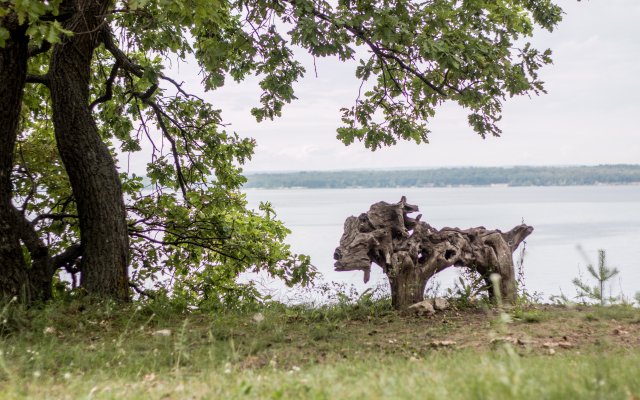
column 82, row 349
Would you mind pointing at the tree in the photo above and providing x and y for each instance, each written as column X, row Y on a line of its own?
column 13, row 62
column 410, row 251
column 93, row 85
column 603, row 274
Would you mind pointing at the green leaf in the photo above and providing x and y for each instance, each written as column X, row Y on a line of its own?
column 4, row 35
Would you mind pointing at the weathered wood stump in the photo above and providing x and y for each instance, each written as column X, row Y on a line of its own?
column 410, row 251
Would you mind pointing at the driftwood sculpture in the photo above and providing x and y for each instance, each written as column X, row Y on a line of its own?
column 410, row 251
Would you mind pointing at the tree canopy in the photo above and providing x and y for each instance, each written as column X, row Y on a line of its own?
column 85, row 81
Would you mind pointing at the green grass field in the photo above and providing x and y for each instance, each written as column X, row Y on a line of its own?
column 84, row 350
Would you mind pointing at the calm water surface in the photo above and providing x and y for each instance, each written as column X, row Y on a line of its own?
column 594, row 217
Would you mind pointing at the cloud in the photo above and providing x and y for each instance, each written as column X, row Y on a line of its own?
column 589, row 115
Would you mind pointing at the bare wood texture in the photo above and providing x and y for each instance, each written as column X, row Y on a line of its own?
column 410, row 251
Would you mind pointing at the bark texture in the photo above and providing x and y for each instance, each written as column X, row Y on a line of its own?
column 410, row 251
column 88, row 162
column 13, row 70
column 30, row 283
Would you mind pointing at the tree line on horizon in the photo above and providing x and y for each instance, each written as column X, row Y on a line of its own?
column 443, row 177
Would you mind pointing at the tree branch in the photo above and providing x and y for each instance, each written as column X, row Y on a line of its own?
column 179, row 88
column 143, row 292
column 160, row 115
column 184, row 242
column 54, row 217
column 39, row 251
column 125, row 62
column 42, row 79
column 108, row 93
column 121, row 58
column 67, row 257
column 40, row 268
column 29, row 236
column 361, row 33
column 34, row 186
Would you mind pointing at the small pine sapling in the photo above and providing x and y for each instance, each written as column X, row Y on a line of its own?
column 602, row 274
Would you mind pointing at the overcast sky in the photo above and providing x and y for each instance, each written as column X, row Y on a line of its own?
column 589, row 116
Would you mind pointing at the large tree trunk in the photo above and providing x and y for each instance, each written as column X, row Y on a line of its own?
column 89, row 164
column 407, row 282
column 410, row 252
column 13, row 70
column 40, row 273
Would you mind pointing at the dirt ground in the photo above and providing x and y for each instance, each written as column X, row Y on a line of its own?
column 545, row 330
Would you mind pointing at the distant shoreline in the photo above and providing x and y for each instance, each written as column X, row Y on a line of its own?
column 519, row 176
column 438, row 187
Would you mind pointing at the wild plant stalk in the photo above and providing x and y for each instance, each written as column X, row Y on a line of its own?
column 180, row 345
column 468, row 287
column 495, row 284
column 603, row 274
column 522, row 288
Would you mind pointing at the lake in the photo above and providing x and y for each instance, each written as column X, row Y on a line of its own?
column 594, row 217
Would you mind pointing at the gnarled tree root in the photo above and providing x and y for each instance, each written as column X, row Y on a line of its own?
column 410, row 251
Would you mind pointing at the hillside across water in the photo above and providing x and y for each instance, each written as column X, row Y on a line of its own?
column 442, row 177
